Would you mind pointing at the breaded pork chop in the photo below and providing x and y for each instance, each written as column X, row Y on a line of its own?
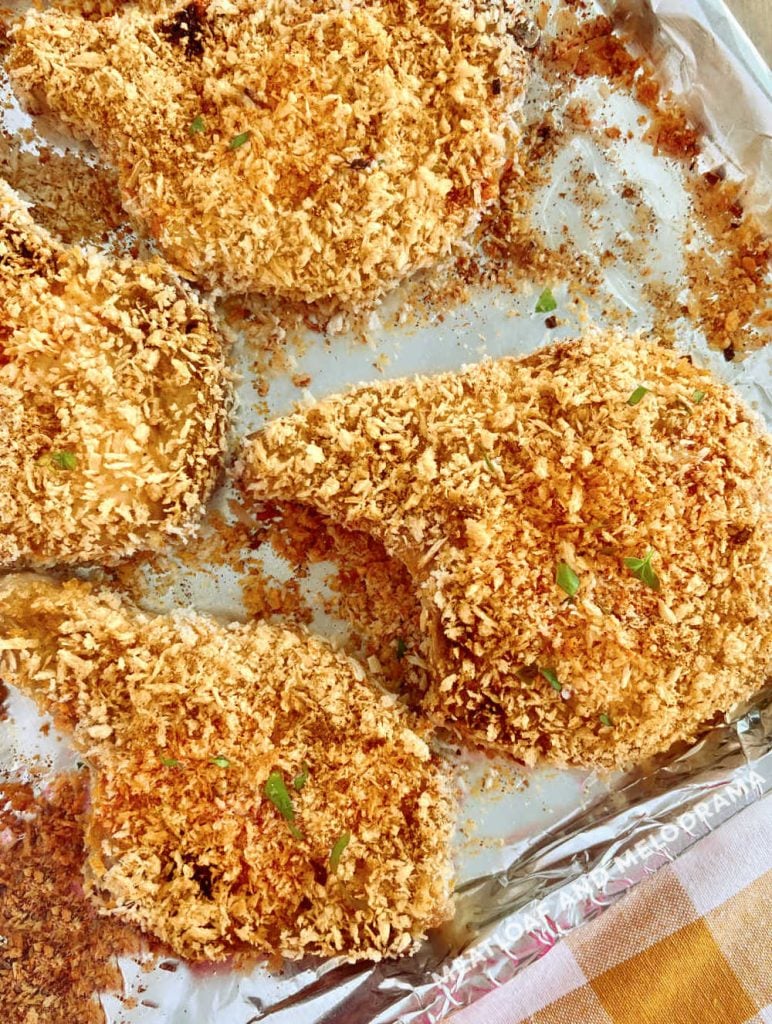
column 588, row 530
column 248, row 787
column 304, row 148
column 114, row 400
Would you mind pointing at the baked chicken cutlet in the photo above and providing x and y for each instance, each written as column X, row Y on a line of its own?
column 302, row 148
column 249, row 789
column 114, row 400
column 587, row 529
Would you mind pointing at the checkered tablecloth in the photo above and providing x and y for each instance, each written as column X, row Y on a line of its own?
column 690, row 945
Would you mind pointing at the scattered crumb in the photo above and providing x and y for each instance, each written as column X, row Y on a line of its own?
column 56, row 953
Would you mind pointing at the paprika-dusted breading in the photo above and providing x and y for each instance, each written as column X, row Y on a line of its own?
column 114, row 400
column 301, row 148
column 587, row 529
column 249, row 789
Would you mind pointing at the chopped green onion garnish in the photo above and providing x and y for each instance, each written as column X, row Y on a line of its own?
column 301, row 778
column 64, row 460
column 546, row 302
column 489, row 464
column 697, row 397
column 170, row 762
column 196, row 125
column 642, row 569
column 605, row 720
column 337, row 851
column 566, row 579
column 277, row 793
column 220, row 762
column 551, row 676
column 239, row 140
column 637, row 395
column 401, row 649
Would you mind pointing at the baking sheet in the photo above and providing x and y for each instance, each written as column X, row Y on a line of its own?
column 556, row 847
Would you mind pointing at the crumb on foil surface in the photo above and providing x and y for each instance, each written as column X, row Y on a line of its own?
column 56, row 953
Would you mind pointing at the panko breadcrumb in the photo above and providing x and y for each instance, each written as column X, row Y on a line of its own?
column 492, row 483
column 301, row 148
column 114, row 400
column 183, row 722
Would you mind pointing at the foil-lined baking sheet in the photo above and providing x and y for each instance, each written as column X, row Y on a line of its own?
column 542, row 851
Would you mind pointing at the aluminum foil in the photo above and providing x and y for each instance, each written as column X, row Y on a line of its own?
column 543, row 852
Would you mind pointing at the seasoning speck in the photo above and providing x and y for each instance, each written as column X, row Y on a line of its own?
column 64, row 460
column 546, row 302
column 637, row 395
column 643, row 570
column 551, row 676
column 337, row 851
column 238, row 140
column 566, row 579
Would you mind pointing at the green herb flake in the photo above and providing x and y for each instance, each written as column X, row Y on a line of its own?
column 238, row 140
column 401, row 649
column 605, row 720
column 277, row 793
column 337, row 851
column 552, row 678
column 697, row 397
column 196, row 125
column 220, row 761
column 301, row 778
column 64, row 460
column 79, row 765
column 566, row 579
column 489, row 463
column 546, row 302
column 643, row 570
column 170, row 762
column 637, row 395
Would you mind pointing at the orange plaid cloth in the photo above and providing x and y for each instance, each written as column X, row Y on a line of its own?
column 691, row 945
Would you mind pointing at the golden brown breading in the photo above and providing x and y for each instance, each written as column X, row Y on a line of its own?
column 183, row 721
column 483, row 482
column 114, row 400
column 302, row 148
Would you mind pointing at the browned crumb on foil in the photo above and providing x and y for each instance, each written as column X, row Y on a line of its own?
column 56, row 953
column 294, row 148
column 75, row 200
column 249, row 788
column 729, row 281
column 588, row 453
column 727, row 271
column 594, row 47
column 229, row 542
column 114, row 400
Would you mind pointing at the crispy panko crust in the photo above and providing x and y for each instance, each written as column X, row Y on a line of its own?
column 182, row 721
column 114, row 400
column 482, row 482
column 377, row 130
